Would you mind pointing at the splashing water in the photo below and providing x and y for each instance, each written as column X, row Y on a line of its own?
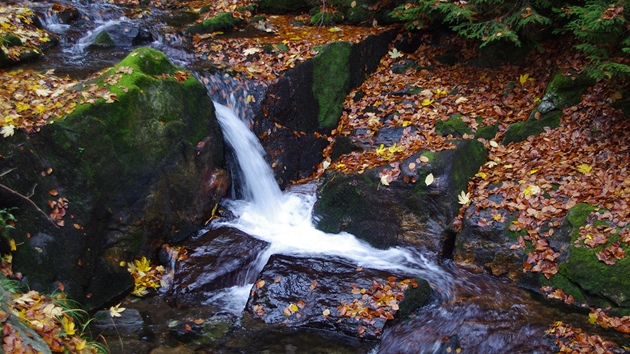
column 284, row 220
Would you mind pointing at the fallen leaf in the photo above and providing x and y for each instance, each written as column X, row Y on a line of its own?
column 429, row 179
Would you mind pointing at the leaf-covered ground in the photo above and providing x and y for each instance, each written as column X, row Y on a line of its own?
column 539, row 179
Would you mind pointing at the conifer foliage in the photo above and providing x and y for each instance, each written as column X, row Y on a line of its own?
column 600, row 27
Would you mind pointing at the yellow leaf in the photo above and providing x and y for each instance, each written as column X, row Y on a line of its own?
column 523, row 78
column 68, row 325
column 463, row 198
column 494, row 144
column 380, row 150
column 531, row 172
column 394, row 53
column 440, row 92
column 115, row 311
column 531, row 190
column 429, row 179
column 394, row 149
column 294, row 308
column 12, row 245
column 143, row 264
column 427, row 102
column 482, row 175
column 334, row 29
column 21, row 107
column 584, row 168
column 592, row 318
column 406, row 123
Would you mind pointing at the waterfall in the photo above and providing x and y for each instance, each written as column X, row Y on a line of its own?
column 258, row 185
column 285, row 221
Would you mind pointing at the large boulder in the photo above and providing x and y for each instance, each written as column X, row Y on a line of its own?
column 117, row 178
column 334, row 295
column 307, row 101
column 218, row 259
column 402, row 212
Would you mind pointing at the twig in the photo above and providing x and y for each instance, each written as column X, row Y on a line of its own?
column 29, row 201
column 7, row 171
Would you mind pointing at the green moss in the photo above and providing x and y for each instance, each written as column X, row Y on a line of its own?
column 559, row 281
column 454, row 126
column 602, row 281
column 487, row 132
column 104, row 40
column 222, row 22
column 471, row 155
column 11, row 40
column 326, row 19
column 331, row 81
column 415, row 297
column 521, row 130
column 566, row 90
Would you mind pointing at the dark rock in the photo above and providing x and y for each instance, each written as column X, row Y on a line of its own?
column 307, row 101
column 328, row 294
column 453, row 126
column 131, row 176
column 401, row 213
column 402, row 66
column 129, row 322
column 218, row 259
column 144, row 36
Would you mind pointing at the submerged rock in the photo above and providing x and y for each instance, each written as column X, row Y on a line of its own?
column 218, row 259
column 332, row 294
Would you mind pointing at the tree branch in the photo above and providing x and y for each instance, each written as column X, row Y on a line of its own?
column 16, row 194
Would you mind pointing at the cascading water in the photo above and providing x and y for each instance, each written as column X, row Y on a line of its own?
column 284, row 219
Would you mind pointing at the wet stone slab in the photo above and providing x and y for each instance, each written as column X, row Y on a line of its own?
column 218, row 259
column 332, row 294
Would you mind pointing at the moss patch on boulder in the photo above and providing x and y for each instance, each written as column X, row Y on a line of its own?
column 331, row 81
column 222, row 22
column 454, row 126
column 609, row 283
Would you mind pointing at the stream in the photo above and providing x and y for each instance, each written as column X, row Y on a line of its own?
column 478, row 312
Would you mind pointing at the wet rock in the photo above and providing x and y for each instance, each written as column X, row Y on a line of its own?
column 218, row 259
column 104, row 40
column 307, row 101
column 135, row 173
column 129, row 322
column 330, row 294
column 564, row 90
column 407, row 211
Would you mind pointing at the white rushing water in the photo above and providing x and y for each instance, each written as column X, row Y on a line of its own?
column 284, row 219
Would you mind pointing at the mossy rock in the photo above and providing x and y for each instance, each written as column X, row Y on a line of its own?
column 520, row 131
column 487, row 132
column 564, row 90
column 284, row 6
column 222, row 22
column 326, row 19
column 132, row 170
column 400, row 213
column 11, row 40
column 415, row 297
column 454, row 126
column 104, row 40
column 610, row 283
column 331, row 81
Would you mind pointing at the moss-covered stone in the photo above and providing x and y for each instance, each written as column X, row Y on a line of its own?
column 104, row 40
column 454, row 126
column 521, row 130
column 222, row 22
column 326, row 19
column 331, row 81
column 594, row 277
column 132, row 171
column 11, row 40
column 415, row 297
column 563, row 91
column 487, row 132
